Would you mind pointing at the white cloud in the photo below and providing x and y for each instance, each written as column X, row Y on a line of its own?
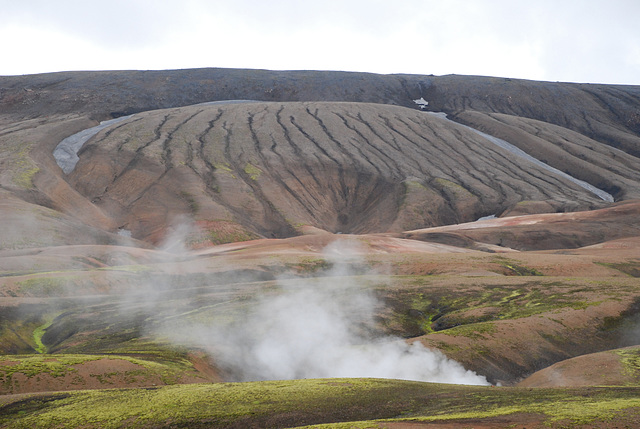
column 588, row 40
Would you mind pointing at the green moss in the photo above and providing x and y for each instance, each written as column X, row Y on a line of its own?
column 60, row 365
column 452, row 187
column 362, row 403
column 474, row 331
column 412, row 186
column 194, row 207
column 185, row 405
column 307, row 266
column 24, row 168
column 513, row 295
column 252, row 171
column 415, row 312
column 230, row 236
column 226, row 168
column 37, row 336
column 630, row 359
column 517, row 269
column 25, row 177
column 45, row 286
column 33, row 365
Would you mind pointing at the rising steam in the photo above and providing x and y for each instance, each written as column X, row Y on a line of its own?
column 318, row 328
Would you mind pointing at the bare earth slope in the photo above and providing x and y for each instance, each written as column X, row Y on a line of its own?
column 341, row 167
column 549, row 231
column 258, row 169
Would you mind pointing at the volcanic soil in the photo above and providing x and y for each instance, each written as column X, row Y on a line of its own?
column 187, row 215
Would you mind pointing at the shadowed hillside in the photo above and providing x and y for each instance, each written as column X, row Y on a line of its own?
column 606, row 113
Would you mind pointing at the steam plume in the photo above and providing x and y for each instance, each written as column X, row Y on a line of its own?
column 318, row 328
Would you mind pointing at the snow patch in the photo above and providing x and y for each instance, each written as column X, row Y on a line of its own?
column 124, row 233
column 421, row 102
column 66, row 153
column 486, row 217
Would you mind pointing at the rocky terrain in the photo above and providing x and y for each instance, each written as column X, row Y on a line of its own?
column 233, row 215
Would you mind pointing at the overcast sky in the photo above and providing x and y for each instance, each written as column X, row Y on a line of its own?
column 595, row 41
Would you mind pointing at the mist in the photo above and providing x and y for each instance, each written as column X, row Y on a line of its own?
column 321, row 327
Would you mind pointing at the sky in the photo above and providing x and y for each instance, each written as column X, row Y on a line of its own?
column 592, row 41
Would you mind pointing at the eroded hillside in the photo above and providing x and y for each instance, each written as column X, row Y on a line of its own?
column 268, row 169
column 342, row 167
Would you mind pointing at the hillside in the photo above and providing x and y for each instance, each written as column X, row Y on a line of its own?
column 371, row 167
column 251, row 225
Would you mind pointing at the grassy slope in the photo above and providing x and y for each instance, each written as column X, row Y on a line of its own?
column 43, row 372
column 306, row 402
column 458, row 312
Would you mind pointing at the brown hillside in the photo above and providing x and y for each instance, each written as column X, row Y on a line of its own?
column 339, row 167
column 547, row 231
column 611, row 368
column 248, row 170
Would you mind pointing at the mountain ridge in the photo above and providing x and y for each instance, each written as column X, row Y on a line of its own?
column 580, row 141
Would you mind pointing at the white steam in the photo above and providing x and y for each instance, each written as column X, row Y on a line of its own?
column 312, row 333
column 320, row 328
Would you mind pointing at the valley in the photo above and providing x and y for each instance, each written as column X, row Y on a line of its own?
column 303, row 248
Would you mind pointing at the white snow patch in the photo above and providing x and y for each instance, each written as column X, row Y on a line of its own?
column 486, row 217
column 124, row 232
column 66, row 153
column 421, row 102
